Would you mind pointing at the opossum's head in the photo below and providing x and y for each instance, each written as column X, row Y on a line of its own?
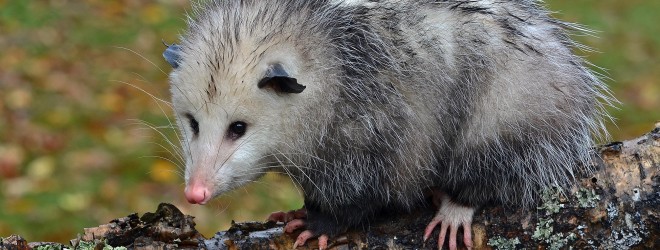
column 235, row 106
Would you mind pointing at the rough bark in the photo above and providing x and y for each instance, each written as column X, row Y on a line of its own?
column 615, row 208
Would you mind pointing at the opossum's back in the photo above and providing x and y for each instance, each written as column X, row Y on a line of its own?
column 488, row 66
column 510, row 101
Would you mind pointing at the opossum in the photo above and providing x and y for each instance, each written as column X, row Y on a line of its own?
column 367, row 105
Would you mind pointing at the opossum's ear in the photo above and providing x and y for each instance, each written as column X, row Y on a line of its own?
column 280, row 81
column 172, row 54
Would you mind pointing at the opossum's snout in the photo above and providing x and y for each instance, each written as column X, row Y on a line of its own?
column 197, row 193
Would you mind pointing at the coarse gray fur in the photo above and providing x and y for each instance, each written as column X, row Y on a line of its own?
column 484, row 100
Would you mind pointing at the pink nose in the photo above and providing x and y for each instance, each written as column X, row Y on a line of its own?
column 197, row 193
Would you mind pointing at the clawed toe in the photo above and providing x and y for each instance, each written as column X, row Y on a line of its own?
column 302, row 238
column 453, row 231
column 276, row 216
column 451, row 217
column 306, row 235
column 467, row 235
column 430, row 227
column 294, row 225
column 323, row 241
column 441, row 236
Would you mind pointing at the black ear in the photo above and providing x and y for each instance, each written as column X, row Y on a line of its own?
column 280, row 81
column 172, row 54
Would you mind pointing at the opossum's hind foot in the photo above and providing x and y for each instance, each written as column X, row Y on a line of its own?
column 451, row 216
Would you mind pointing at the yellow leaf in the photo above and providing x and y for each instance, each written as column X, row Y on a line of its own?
column 153, row 13
column 74, row 202
column 163, row 171
column 41, row 168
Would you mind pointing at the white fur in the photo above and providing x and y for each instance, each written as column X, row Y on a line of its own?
column 454, row 214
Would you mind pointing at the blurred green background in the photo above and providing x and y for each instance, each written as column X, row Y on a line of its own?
column 76, row 147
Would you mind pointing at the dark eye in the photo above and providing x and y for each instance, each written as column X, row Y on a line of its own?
column 194, row 125
column 236, row 130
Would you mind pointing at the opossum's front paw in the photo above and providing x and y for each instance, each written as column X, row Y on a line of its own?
column 305, row 235
column 296, row 219
column 452, row 216
column 308, row 234
column 286, row 217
